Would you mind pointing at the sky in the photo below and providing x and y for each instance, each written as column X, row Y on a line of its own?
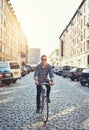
column 43, row 21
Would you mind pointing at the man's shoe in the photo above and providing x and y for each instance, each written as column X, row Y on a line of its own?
column 37, row 111
column 49, row 101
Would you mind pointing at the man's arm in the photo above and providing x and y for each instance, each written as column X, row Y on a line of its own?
column 51, row 75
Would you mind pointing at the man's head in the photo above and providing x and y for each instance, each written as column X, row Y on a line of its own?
column 44, row 59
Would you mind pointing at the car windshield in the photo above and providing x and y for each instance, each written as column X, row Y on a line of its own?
column 14, row 65
column 85, row 71
column 4, row 69
column 74, row 69
column 66, row 68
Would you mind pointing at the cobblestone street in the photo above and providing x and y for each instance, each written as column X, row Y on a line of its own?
column 69, row 108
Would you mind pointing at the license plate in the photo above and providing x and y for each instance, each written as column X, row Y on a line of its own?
column 84, row 80
column 7, row 75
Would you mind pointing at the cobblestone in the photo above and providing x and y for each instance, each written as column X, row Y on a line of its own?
column 69, row 108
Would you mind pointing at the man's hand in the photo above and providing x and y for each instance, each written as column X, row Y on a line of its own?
column 52, row 83
column 36, row 82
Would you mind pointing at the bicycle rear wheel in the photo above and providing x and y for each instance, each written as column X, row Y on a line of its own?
column 45, row 110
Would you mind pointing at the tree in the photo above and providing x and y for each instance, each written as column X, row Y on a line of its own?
column 54, row 57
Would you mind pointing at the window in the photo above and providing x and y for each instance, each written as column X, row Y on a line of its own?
column 88, row 31
column 3, row 48
column 0, row 58
column 88, row 3
column 88, row 18
column 0, row 46
column 84, row 8
column 84, row 47
column 88, row 45
column 1, row 33
column 81, row 36
column 1, row 19
column 84, row 20
column 4, row 8
column 84, row 33
column 88, row 59
column 81, row 23
column 1, row 4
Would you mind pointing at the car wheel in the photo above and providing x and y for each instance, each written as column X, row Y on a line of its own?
column 82, row 83
column 14, row 81
column 72, row 79
column 6, row 82
column 64, row 76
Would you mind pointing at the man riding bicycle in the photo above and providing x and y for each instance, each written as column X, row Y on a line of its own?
column 41, row 72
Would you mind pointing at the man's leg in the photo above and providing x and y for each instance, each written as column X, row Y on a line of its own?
column 38, row 97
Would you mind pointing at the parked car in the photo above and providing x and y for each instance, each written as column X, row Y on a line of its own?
column 28, row 69
column 24, row 71
column 6, row 77
column 60, row 71
column 56, row 69
column 66, row 71
column 75, row 73
column 84, row 78
column 14, row 67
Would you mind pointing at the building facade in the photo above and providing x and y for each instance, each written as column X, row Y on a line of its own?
column 13, row 41
column 34, row 56
column 74, row 40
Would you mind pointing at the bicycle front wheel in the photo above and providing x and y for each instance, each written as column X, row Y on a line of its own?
column 45, row 110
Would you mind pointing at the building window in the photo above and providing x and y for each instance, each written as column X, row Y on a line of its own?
column 88, row 60
column 84, row 20
column 88, row 3
column 81, row 36
column 1, row 4
column 0, row 46
column 0, row 58
column 84, row 33
column 4, row 8
column 61, row 48
column 81, row 23
column 1, row 19
column 84, row 47
column 3, row 48
column 1, row 33
column 88, row 18
column 88, row 45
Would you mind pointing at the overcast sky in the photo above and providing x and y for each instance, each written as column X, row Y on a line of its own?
column 44, row 20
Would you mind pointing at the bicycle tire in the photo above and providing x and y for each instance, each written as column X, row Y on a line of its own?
column 45, row 111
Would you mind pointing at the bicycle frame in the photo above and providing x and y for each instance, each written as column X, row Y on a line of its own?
column 44, row 103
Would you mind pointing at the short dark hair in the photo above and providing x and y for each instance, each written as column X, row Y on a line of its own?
column 43, row 56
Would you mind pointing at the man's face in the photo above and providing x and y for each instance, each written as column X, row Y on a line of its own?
column 44, row 60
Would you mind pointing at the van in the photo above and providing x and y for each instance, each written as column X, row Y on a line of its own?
column 14, row 67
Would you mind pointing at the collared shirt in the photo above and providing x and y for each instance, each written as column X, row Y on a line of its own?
column 42, row 73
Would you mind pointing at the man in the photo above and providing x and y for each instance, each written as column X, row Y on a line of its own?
column 41, row 72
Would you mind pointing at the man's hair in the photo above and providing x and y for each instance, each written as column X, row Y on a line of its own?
column 43, row 56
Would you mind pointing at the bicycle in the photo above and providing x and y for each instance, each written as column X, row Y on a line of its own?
column 44, row 109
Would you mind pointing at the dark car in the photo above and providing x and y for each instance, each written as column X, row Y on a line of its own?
column 84, row 78
column 66, row 71
column 24, row 71
column 75, row 73
column 6, row 77
column 28, row 69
